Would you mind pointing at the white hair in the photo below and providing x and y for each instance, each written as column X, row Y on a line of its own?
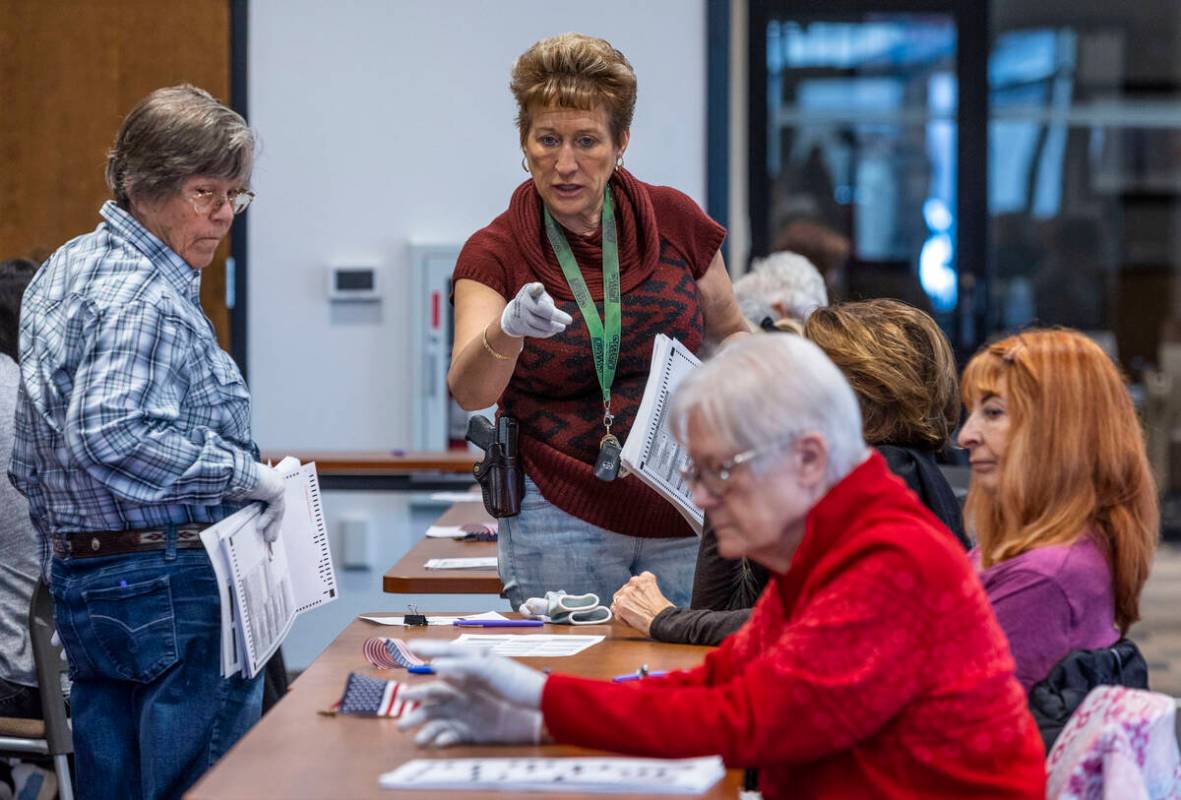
column 771, row 388
column 785, row 278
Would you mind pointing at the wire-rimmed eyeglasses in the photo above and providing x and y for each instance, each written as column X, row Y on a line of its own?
column 715, row 480
column 206, row 201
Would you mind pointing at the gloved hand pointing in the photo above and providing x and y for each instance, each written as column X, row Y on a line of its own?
column 270, row 489
column 533, row 313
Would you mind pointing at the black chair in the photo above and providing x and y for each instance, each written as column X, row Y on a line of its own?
column 50, row 735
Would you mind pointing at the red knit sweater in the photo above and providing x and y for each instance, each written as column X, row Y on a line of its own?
column 665, row 244
column 873, row 668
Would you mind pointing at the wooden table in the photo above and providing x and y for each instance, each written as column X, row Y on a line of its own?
column 294, row 752
column 409, row 576
column 388, row 470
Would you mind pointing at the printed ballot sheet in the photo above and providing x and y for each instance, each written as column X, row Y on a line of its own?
column 264, row 587
column 651, row 452
column 530, row 645
column 643, row 776
column 381, row 619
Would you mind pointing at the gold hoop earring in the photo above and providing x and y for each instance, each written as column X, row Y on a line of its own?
column 524, row 164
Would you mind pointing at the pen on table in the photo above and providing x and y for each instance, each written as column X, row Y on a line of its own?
column 420, row 669
column 639, row 674
column 498, row 623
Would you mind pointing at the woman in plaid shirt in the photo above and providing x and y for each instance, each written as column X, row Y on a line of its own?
column 132, row 435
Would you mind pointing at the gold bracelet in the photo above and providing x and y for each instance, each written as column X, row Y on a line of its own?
column 492, row 352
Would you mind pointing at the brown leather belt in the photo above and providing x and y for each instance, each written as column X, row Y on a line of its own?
column 89, row 544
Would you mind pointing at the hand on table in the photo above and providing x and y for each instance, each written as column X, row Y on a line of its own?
column 533, row 313
column 481, row 698
column 639, row 601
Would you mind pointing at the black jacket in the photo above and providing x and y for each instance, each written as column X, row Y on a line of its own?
column 724, row 590
column 1054, row 698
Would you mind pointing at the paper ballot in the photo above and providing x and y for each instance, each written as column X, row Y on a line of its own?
column 642, row 776
column 651, row 453
column 263, row 587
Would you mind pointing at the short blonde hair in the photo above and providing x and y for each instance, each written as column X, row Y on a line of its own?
column 572, row 70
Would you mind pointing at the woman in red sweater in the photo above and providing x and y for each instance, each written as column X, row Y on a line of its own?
column 872, row 664
column 645, row 260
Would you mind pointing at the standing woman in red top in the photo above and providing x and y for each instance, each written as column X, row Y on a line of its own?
column 537, row 332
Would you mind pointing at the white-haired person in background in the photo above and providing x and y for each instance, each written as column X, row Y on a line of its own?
column 872, row 664
column 781, row 287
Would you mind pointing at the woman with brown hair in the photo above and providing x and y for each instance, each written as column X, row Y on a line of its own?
column 583, row 237
column 903, row 374
column 1062, row 502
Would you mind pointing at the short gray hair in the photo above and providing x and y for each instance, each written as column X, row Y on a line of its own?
column 768, row 388
column 173, row 134
column 785, row 278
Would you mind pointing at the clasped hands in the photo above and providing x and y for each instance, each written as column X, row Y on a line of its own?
column 639, row 601
column 480, row 699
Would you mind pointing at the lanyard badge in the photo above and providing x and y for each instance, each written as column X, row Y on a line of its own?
column 604, row 333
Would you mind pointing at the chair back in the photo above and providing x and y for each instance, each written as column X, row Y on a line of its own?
column 1120, row 743
column 50, row 666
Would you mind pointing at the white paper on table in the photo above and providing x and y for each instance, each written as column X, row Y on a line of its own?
column 644, row 776
column 462, row 563
column 456, row 497
column 380, row 620
column 530, row 645
column 460, row 531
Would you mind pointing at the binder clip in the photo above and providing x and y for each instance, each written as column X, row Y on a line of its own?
column 415, row 617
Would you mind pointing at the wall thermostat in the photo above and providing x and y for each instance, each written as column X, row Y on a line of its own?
column 353, row 284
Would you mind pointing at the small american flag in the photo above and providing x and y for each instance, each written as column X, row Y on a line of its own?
column 367, row 696
column 386, row 653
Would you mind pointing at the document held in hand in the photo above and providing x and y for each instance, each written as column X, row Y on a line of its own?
column 651, row 453
column 264, row 587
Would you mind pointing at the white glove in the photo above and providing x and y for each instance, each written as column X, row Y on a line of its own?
column 533, row 313
column 271, row 489
column 452, row 715
column 473, row 670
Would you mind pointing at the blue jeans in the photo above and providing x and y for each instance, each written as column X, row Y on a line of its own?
column 545, row 549
column 151, row 710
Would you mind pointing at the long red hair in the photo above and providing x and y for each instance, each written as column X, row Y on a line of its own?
column 1075, row 458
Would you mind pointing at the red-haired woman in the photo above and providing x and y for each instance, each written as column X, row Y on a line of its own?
column 1062, row 503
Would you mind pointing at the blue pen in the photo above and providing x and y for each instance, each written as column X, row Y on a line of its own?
column 498, row 623
column 639, row 674
column 424, row 669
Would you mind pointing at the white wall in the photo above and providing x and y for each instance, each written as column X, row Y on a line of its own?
column 390, row 121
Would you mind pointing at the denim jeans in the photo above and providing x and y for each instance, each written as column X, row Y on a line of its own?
column 151, row 710
column 545, row 549
column 19, row 701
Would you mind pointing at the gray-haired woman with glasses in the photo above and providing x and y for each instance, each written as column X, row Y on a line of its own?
column 132, row 434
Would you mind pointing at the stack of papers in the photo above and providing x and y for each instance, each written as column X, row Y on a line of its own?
column 460, row 531
column 651, row 452
column 264, row 587
column 643, row 776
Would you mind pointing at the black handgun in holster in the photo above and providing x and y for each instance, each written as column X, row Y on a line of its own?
column 500, row 476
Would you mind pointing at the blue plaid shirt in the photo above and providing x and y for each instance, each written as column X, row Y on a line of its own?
column 129, row 415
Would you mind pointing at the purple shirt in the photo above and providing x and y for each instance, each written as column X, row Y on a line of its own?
column 1050, row 601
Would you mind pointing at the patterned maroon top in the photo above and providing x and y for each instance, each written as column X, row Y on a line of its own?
column 665, row 245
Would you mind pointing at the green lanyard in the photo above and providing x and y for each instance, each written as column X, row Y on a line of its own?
column 604, row 345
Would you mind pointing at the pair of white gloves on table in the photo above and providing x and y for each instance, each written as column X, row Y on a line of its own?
column 566, row 609
column 481, row 699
